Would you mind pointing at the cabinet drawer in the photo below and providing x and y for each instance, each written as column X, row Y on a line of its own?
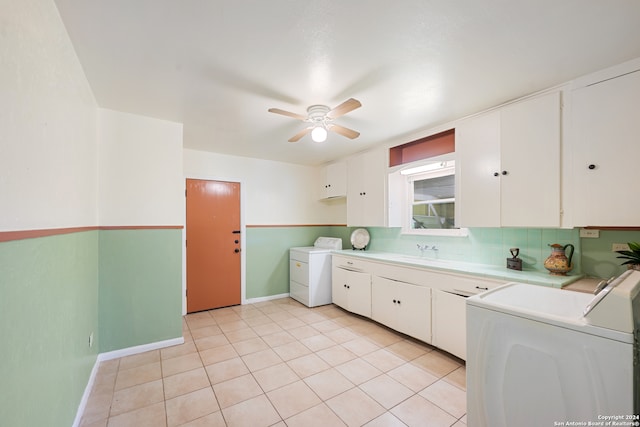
column 466, row 286
column 352, row 264
column 299, row 272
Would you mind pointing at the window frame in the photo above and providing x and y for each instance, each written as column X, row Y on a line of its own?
column 408, row 200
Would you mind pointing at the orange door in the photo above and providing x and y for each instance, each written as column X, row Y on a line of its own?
column 213, row 244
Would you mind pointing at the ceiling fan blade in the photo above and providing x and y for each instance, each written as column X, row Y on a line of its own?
column 297, row 136
column 349, row 133
column 342, row 109
column 288, row 113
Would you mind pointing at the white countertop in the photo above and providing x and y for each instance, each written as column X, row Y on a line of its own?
column 483, row 270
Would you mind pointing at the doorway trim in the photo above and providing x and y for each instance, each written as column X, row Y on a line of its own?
column 243, row 239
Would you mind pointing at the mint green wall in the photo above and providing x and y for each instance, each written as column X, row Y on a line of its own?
column 48, row 308
column 483, row 245
column 268, row 249
column 597, row 258
column 267, row 255
column 140, row 298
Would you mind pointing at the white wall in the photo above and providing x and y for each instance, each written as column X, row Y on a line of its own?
column 48, row 157
column 140, row 170
column 275, row 193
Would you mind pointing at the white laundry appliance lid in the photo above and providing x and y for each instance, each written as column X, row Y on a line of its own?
column 549, row 305
column 334, row 243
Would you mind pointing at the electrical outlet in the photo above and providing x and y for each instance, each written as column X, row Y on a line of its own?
column 91, row 340
column 589, row 233
column 615, row 247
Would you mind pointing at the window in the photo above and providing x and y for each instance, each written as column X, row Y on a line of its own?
column 422, row 186
column 432, row 198
column 427, row 197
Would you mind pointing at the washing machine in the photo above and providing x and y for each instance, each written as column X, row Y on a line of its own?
column 539, row 356
column 310, row 271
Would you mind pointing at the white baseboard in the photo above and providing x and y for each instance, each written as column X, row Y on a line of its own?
column 85, row 395
column 139, row 349
column 262, row 299
column 114, row 355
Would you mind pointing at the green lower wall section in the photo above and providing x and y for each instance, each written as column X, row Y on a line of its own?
column 267, row 255
column 140, row 299
column 125, row 287
column 268, row 249
column 597, row 258
column 48, row 308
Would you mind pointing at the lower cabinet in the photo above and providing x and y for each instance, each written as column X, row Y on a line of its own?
column 425, row 304
column 402, row 306
column 351, row 290
column 449, row 322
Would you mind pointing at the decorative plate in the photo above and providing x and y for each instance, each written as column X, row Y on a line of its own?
column 360, row 238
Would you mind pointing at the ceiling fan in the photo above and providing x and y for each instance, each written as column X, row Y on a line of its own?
column 320, row 119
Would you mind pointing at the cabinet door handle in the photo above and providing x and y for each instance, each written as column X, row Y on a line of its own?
column 236, row 250
column 592, row 166
column 344, row 285
column 398, row 301
column 496, row 174
column 504, row 172
column 481, row 288
column 394, row 301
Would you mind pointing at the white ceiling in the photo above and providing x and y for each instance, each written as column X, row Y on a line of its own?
column 218, row 65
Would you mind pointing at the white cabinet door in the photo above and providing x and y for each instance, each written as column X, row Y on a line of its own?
column 339, row 287
column 414, row 314
column 508, row 166
column 530, row 157
column 449, row 323
column 402, row 306
column 359, row 291
column 334, row 180
column 351, row 290
column 605, row 129
column 366, row 189
column 477, row 162
column 383, row 301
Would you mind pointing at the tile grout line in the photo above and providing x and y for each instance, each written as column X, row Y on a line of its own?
column 357, row 329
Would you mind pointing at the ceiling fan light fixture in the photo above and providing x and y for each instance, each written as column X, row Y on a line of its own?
column 319, row 134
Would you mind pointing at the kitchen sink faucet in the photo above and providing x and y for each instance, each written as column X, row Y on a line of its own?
column 423, row 248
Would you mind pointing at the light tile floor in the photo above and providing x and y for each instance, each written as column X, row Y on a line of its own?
column 279, row 363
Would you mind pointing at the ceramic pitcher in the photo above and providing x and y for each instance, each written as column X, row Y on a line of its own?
column 558, row 263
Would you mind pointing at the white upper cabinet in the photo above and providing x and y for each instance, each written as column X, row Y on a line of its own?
column 508, row 166
column 605, row 148
column 366, row 189
column 333, row 180
column 477, row 162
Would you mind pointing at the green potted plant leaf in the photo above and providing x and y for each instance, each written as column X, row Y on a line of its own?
column 631, row 257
